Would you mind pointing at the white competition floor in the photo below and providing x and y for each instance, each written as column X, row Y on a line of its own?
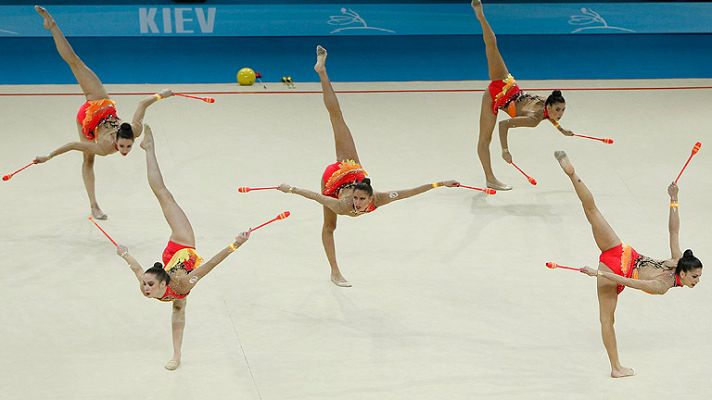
column 451, row 298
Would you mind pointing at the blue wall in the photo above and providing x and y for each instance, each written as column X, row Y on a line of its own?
column 387, row 57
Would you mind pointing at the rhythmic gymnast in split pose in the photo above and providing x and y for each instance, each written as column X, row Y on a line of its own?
column 101, row 131
column 182, row 267
column 345, row 190
column 621, row 266
column 503, row 93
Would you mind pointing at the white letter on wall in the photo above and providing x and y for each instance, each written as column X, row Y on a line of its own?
column 207, row 25
column 167, row 20
column 180, row 19
column 147, row 20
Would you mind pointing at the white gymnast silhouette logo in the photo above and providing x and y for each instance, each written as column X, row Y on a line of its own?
column 591, row 17
column 349, row 17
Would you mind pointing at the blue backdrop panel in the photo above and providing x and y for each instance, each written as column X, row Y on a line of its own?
column 352, row 58
column 361, row 19
column 443, row 42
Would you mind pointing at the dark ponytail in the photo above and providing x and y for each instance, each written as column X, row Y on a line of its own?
column 688, row 262
column 364, row 185
column 160, row 273
column 125, row 132
column 554, row 98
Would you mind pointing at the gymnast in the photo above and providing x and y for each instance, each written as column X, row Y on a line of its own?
column 620, row 265
column 503, row 93
column 345, row 188
column 101, row 131
column 181, row 270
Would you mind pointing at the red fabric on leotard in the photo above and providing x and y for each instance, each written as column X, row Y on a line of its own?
column 178, row 256
column 502, row 93
column 621, row 260
column 92, row 113
column 340, row 174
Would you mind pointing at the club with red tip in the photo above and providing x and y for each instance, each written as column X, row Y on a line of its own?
column 529, row 178
column 553, row 265
column 604, row 140
column 245, row 189
column 9, row 176
column 695, row 149
column 205, row 99
column 486, row 190
column 103, row 231
column 277, row 218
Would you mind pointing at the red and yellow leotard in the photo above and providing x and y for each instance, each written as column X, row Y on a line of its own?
column 503, row 93
column 178, row 257
column 621, row 260
column 92, row 113
column 343, row 174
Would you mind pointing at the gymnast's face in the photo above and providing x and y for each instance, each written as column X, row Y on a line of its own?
column 556, row 110
column 124, row 145
column 152, row 287
column 691, row 278
column 361, row 200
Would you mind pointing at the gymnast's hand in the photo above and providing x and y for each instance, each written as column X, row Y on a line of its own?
column 284, row 188
column 40, row 159
column 451, row 183
column 672, row 190
column 566, row 132
column 589, row 271
column 122, row 251
column 507, row 156
column 165, row 93
column 242, row 238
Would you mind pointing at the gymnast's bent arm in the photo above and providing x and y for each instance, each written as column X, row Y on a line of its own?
column 137, row 269
column 137, row 122
column 383, row 198
column 654, row 286
column 527, row 121
column 195, row 275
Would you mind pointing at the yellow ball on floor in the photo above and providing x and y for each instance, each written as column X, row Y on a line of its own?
column 246, row 77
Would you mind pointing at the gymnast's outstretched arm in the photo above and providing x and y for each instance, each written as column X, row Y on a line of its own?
column 383, row 198
column 674, row 223
column 204, row 269
column 334, row 204
column 85, row 147
column 135, row 266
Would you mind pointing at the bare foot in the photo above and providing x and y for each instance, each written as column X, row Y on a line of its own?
column 497, row 185
column 48, row 20
column 564, row 162
column 173, row 364
column 477, row 6
column 320, row 65
column 622, row 372
column 98, row 214
column 147, row 142
column 339, row 280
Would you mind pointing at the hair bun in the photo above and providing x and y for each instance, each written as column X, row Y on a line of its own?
column 158, row 265
column 556, row 93
column 367, row 181
column 688, row 253
column 125, row 126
